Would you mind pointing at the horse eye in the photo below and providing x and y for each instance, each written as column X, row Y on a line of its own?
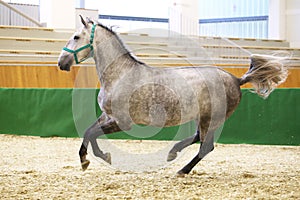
column 76, row 37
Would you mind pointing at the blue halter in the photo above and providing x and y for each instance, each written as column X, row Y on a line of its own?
column 74, row 52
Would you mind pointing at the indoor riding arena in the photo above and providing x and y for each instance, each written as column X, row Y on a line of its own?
column 45, row 112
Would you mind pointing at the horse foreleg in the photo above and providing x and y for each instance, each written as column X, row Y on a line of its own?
column 82, row 154
column 89, row 135
column 182, row 144
column 104, row 125
column 205, row 147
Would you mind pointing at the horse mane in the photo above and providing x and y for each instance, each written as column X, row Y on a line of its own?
column 129, row 54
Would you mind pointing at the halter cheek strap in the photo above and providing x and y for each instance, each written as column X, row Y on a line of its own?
column 74, row 52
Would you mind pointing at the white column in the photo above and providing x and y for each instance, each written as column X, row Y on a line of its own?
column 277, row 19
column 58, row 13
column 293, row 23
column 184, row 17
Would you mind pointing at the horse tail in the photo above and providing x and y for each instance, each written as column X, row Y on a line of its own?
column 265, row 73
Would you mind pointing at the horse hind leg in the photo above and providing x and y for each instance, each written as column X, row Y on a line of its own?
column 206, row 146
column 178, row 147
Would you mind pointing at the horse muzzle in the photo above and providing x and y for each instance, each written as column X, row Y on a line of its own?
column 65, row 62
column 64, row 68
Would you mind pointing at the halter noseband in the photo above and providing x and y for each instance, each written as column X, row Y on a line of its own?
column 74, row 52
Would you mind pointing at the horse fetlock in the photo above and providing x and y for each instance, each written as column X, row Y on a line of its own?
column 171, row 156
column 82, row 151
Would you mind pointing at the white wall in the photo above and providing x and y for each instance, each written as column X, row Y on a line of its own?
column 277, row 19
column 58, row 13
column 92, row 14
column 136, row 8
column 184, row 17
column 293, row 22
column 284, row 16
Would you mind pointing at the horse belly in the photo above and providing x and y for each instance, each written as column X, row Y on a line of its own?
column 160, row 106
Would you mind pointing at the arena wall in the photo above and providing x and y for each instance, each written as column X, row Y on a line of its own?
column 45, row 101
column 35, row 76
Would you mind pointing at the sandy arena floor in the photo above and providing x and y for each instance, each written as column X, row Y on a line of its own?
column 49, row 168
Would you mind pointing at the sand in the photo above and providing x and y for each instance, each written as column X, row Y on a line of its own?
column 49, row 168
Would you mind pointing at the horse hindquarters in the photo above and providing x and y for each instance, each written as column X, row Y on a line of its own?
column 216, row 105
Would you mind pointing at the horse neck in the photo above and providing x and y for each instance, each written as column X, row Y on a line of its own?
column 112, row 60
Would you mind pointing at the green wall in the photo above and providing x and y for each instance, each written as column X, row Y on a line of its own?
column 271, row 121
column 68, row 112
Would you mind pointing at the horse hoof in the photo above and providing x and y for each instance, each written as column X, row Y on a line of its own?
column 85, row 165
column 171, row 156
column 107, row 158
column 180, row 174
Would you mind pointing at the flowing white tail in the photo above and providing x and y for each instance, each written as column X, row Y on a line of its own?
column 265, row 73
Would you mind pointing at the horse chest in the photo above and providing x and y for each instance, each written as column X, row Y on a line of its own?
column 104, row 101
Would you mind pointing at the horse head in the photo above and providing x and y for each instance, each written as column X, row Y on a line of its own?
column 79, row 47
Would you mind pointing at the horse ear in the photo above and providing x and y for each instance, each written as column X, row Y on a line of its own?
column 89, row 20
column 83, row 22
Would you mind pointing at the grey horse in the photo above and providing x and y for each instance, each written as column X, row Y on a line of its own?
column 134, row 93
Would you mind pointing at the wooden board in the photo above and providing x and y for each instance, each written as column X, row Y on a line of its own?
column 86, row 77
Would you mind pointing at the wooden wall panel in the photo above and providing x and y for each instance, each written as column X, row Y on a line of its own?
column 293, row 80
column 47, row 77
column 86, row 77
